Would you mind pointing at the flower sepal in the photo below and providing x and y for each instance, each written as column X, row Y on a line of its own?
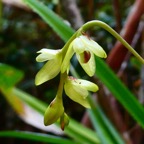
column 51, row 68
column 46, row 54
column 77, row 90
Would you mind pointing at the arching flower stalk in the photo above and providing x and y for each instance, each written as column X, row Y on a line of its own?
column 59, row 62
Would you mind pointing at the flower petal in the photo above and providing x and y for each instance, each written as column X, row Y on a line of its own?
column 94, row 47
column 48, row 71
column 66, row 61
column 76, row 93
column 90, row 66
column 46, row 54
column 97, row 49
column 78, row 45
column 87, row 85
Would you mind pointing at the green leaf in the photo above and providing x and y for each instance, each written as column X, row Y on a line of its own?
column 39, row 137
column 81, row 133
column 104, row 128
column 9, row 76
column 75, row 130
column 121, row 93
column 51, row 18
column 135, row 63
column 28, row 99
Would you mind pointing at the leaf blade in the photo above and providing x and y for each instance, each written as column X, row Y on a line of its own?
column 121, row 93
column 35, row 137
column 51, row 18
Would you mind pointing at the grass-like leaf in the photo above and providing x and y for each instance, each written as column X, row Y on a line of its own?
column 9, row 76
column 74, row 130
column 121, row 93
column 106, row 131
column 17, row 99
column 103, row 127
column 53, row 20
column 39, row 137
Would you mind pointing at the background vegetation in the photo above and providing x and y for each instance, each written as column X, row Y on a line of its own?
column 23, row 32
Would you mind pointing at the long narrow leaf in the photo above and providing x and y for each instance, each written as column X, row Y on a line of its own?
column 121, row 93
column 36, row 137
column 74, row 130
column 23, row 103
column 53, row 20
column 84, row 134
column 103, row 127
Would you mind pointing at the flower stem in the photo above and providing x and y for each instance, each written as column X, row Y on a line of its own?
column 60, row 87
column 93, row 23
column 66, row 46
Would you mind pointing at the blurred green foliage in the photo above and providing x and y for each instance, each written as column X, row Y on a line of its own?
column 23, row 33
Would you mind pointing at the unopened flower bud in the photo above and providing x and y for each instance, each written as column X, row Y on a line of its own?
column 53, row 112
column 64, row 121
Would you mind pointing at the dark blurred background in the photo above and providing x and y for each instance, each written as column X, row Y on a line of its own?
column 23, row 33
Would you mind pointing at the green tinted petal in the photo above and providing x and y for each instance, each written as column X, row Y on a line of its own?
column 90, row 66
column 48, row 71
column 54, row 111
column 66, row 61
column 97, row 49
column 78, row 45
column 93, row 46
column 87, row 85
column 77, row 94
column 46, row 54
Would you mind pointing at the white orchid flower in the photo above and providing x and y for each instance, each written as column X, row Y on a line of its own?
column 51, row 68
column 77, row 90
column 85, row 48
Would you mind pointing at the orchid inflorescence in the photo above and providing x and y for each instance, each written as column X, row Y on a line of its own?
column 59, row 62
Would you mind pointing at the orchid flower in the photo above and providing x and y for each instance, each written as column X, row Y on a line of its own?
column 85, row 48
column 51, row 68
column 77, row 90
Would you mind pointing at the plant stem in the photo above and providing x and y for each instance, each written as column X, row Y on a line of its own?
column 93, row 23
column 66, row 46
column 60, row 87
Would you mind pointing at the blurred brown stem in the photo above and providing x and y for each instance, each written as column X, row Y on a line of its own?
column 118, row 53
column 116, row 7
column 73, row 13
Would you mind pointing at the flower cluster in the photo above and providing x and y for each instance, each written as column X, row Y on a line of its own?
column 58, row 61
